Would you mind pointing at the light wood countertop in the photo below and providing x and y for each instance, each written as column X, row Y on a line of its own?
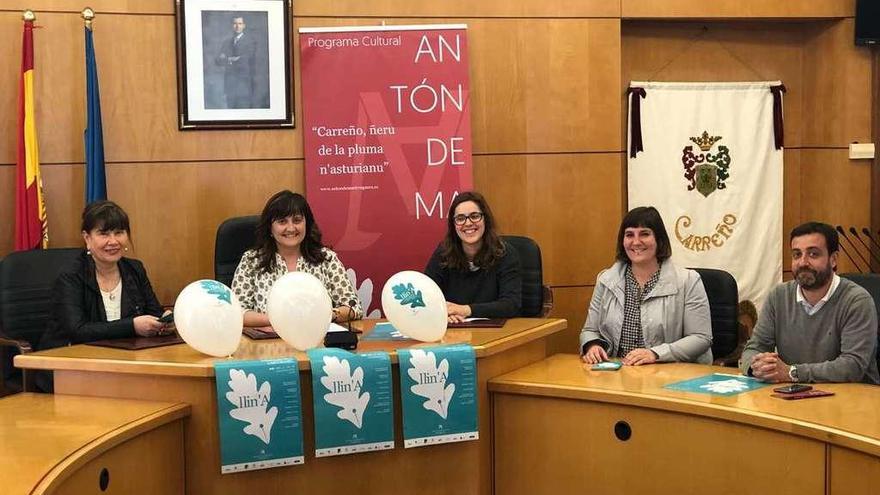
column 182, row 360
column 850, row 418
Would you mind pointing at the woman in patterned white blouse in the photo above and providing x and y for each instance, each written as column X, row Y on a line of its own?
column 288, row 239
column 644, row 308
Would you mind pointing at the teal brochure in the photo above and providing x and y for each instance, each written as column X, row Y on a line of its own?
column 438, row 393
column 385, row 331
column 352, row 396
column 259, row 412
column 718, row 384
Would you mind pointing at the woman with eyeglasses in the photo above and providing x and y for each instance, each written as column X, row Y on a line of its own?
column 644, row 308
column 478, row 273
column 288, row 239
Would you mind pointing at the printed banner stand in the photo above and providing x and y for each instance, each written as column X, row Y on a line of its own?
column 438, row 389
column 259, row 412
column 387, row 142
column 352, row 396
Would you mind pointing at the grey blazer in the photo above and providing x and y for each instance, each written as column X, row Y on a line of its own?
column 676, row 322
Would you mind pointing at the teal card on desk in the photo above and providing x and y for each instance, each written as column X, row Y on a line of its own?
column 352, row 396
column 385, row 331
column 718, row 384
column 259, row 412
column 438, row 389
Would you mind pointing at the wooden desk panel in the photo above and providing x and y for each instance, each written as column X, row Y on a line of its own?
column 59, row 444
column 179, row 374
column 550, row 445
column 684, row 442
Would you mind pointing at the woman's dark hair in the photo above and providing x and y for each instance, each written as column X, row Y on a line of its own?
column 104, row 215
column 282, row 205
column 452, row 255
column 646, row 217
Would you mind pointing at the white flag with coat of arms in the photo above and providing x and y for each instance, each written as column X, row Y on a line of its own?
column 711, row 163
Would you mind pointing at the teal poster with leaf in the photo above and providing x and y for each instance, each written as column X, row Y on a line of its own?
column 438, row 389
column 352, row 396
column 259, row 412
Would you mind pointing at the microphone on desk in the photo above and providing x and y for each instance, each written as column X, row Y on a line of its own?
column 843, row 248
column 344, row 340
column 852, row 230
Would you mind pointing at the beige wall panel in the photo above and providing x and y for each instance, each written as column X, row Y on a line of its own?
column 458, row 8
column 852, row 473
column 136, row 63
column 696, row 51
column 99, row 6
column 837, row 87
column 536, row 85
column 836, row 190
column 570, row 303
column 569, row 203
column 737, row 8
column 175, row 209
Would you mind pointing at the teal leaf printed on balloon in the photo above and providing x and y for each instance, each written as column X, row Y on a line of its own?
column 217, row 289
column 407, row 294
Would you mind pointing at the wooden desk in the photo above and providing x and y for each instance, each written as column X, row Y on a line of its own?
column 60, row 444
column 178, row 373
column 555, row 433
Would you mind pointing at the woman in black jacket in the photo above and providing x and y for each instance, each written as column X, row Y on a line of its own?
column 103, row 295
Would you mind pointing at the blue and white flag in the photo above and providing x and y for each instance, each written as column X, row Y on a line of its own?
column 259, row 412
column 438, row 388
column 352, row 396
column 96, row 180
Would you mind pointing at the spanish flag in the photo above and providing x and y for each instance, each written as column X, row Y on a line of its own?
column 30, row 207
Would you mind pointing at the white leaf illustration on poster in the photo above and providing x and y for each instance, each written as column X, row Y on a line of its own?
column 431, row 381
column 250, row 404
column 365, row 293
column 725, row 386
column 345, row 389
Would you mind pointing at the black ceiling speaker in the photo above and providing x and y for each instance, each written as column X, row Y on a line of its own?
column 867, row 22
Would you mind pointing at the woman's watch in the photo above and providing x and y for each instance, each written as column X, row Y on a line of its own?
column 792, row 373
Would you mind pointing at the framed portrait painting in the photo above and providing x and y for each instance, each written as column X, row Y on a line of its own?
column 233, row 64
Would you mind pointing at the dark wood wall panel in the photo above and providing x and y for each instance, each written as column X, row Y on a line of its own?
column 458, row 8
column 737, row 8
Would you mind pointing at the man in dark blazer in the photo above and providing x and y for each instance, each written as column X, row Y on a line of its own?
column 238, row 57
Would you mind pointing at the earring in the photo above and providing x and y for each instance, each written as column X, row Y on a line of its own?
column 88, row 251
column 126, row 249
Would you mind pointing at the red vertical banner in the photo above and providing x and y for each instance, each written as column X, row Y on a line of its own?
column 387, row 135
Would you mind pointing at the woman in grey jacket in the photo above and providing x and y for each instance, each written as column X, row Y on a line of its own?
column 644, row 308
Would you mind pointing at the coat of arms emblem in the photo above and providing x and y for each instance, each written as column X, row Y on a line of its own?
column 705, row 171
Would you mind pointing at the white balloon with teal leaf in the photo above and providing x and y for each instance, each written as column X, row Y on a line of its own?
column 208, row 317
column 415, row 305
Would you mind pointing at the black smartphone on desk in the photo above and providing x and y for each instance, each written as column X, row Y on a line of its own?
column 793, row 388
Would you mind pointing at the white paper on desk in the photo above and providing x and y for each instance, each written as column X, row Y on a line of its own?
column 336, row 328
column 468, row 320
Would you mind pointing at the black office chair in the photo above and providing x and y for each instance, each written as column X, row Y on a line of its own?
column 234, row 236
column 723, row 294
column 26, row 281
column 537, row 298
column 871, row 283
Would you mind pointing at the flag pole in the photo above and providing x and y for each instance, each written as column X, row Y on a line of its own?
column 88, row 14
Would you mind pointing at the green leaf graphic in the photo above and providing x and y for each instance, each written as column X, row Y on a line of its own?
column 217, row 289
column 407, row 294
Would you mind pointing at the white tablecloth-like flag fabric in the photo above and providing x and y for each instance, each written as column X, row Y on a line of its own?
column 711, row 166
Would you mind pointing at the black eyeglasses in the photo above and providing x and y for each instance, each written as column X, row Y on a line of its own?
column 475, row 217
